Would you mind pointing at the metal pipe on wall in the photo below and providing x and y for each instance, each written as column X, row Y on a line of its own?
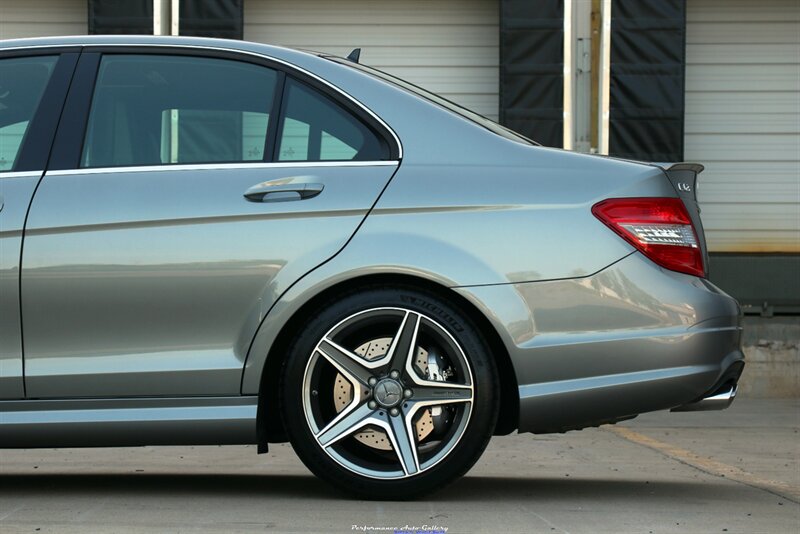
column 604, row 77
column 568, row 70
column 166, row 17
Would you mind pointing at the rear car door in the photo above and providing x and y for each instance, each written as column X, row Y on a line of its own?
column 202, row 185
column 33, row 85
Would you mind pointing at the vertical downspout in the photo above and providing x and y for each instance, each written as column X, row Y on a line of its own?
column 161, row 17
column 175, row 17
column 568, row 61
column 605, row 77
column 166, row 17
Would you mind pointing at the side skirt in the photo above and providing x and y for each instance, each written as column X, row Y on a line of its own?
column 128, row 422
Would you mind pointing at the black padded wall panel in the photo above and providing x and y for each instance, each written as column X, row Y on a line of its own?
column 646, row 107
column 120, row 17
column 212, row 18
column 532, row 69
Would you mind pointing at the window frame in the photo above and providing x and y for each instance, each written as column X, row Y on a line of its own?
column 37, row 142
column 71, row 135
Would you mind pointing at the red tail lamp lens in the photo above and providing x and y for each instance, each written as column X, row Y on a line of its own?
column 658, row 227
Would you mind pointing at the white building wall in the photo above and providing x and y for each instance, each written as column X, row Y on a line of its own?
column 40, row 18
column 743, row 121
column 450, row 47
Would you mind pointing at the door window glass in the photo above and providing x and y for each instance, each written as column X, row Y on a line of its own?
column 153, row 110
column 315, row 128
column 294, row 140
column 22, row 83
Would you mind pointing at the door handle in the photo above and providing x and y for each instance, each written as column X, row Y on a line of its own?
column 282, row 192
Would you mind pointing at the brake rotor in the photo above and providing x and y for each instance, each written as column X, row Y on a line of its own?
column 343, row 395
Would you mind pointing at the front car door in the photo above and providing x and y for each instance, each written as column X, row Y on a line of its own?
column 204, row 187
column 33, row 85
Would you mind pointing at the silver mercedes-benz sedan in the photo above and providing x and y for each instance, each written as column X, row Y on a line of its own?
column 218, row 242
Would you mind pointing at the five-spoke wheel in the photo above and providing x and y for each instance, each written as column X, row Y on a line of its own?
column 388, row 393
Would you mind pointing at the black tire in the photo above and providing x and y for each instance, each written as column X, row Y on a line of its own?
column 476, row 419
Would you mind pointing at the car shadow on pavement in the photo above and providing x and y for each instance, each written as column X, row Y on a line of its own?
column 466, row 489
column 167, row 483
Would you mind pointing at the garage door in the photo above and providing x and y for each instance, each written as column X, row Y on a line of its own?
column 39, row 18
column 450, row 47
column 743, row 121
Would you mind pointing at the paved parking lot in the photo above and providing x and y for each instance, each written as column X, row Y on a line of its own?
column 733, row 471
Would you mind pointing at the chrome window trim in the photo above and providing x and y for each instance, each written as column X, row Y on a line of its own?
column 221, row 166
column 235, row 51
column 23, row 46
column 20, row 174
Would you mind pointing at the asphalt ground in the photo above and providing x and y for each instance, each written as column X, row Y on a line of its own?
column 731, row 471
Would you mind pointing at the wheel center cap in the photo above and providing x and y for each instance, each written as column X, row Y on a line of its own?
column 388, row 392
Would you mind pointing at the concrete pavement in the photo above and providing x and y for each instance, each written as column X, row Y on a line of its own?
column 732, row 471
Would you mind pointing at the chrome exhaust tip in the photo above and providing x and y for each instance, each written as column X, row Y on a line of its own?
column 719, row 400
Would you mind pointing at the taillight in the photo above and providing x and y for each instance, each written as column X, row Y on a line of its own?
column 659, row 227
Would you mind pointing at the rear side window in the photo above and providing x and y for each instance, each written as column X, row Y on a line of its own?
column 315, row 128
column 154, row 110
column 22, row 83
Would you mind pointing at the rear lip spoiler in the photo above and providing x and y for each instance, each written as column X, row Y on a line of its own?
column 695, row 167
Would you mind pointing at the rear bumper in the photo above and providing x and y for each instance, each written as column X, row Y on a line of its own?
column 630, row 339
column 575, row 404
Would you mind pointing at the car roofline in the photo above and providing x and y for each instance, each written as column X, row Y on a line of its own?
column 132, row 40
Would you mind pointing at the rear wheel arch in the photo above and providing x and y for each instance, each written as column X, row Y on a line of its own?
column 270, row 425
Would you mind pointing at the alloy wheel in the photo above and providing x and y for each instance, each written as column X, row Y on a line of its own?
column 387, row 393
